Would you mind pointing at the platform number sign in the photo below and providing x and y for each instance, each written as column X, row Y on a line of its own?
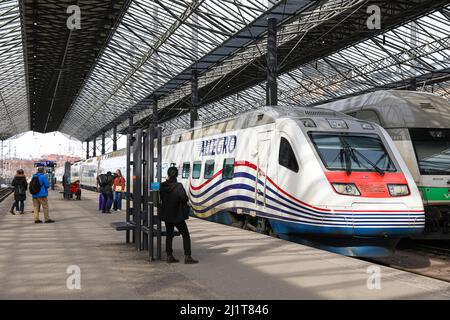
column 74, row 20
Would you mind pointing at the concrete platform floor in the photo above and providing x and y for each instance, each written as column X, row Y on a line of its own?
column 234, row 264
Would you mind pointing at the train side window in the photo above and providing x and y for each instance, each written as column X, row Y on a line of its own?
column 286, row 156
column 186, row 170
column 165, row 167
column 228, row 169
column 209, row 169
column 196, row 169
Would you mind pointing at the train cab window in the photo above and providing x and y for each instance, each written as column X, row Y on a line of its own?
column 228, row 169
column 186, row 170
column 286, row 156
column 196, row 169
column 209, row 169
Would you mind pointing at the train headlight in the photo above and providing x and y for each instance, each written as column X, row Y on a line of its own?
column 349, row 189
column 308, row 123
column 397, row 190
column 367, row 126
column 337, row 124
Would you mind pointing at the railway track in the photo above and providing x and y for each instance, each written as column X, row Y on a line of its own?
column 4, row 193
column 429, row 259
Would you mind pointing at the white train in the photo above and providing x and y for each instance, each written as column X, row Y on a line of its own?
column 419, row 124
column 303, row 174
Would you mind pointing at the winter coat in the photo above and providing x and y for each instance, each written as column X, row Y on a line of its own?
column 20, row 185
column 43, row 193
column 173, row 200
column 119, row 182
column 110, row 181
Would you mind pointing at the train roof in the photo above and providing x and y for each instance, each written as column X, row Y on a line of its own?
column 397, row 108
column 253, row 118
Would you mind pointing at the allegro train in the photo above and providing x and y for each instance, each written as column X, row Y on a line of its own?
column 308, row 175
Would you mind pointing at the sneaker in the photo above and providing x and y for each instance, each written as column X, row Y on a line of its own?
column 171, row 259
column 49, row 221
column 37, row 221
column 189, row 260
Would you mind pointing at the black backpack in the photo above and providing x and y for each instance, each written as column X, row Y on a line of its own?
column 102, row 180
column 35, row 185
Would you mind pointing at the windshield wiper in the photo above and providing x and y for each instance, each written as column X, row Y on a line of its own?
column 346, row 153
column 351, row 151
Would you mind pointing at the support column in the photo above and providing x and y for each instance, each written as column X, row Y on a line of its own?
column 195, row 100
column 115, row 138
column 272, row 67
column 94, row 152
column 128, row 174
column 413, row 85
column 87, row 149
column 103, row 144
column 155, row 112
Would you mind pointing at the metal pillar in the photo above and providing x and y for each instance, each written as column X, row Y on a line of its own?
column 272, row 67
column 115, row 138
column 413, row 85
column 154, row 174
column 195, row 100
column 87, row 149
column 94, row 152
column 103, row 144
column 144, row 205
column 128, row 174
column 137, row 188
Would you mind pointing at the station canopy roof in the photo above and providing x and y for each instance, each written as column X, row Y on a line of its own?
column 325, row 53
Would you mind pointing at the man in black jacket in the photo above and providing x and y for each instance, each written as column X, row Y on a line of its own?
column 105, row 182
column 174, row 213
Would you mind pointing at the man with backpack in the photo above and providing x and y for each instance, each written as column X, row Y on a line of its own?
column 105, row 182
column 39, row 190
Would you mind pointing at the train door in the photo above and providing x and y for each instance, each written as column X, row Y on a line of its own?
column 262, row 168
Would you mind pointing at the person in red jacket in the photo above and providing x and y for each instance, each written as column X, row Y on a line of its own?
column 118, row 189
column 75, row 189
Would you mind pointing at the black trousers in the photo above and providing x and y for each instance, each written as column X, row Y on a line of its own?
column 182, row 227
column 78, row 194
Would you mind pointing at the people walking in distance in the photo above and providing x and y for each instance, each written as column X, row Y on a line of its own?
column 20, row 185
column 105, row 182
column 39, row 190
column 118, row 188
column 174, row 213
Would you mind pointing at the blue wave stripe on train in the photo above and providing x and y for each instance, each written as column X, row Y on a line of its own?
column 310, row 211
column 368, row 219
column 408, row 221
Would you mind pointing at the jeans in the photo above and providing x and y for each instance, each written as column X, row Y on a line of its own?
column 18, row 205
column 107, row 204
column 182, row 227
column 117, row 200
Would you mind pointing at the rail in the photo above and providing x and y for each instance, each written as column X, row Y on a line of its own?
column 5, row 193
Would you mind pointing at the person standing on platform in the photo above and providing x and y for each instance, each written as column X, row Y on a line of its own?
column 106, row 181
column 118, row 188
column 20, row 185
column 39, row 189
column 174, row 213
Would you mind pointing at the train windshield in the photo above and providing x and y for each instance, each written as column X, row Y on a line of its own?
column 345, row 152
column 433, row 150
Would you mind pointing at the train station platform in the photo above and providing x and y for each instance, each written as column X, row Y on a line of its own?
column 234, row 264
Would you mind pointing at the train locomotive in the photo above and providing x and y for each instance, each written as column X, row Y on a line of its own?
column 419, row 125
column 307, row 175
